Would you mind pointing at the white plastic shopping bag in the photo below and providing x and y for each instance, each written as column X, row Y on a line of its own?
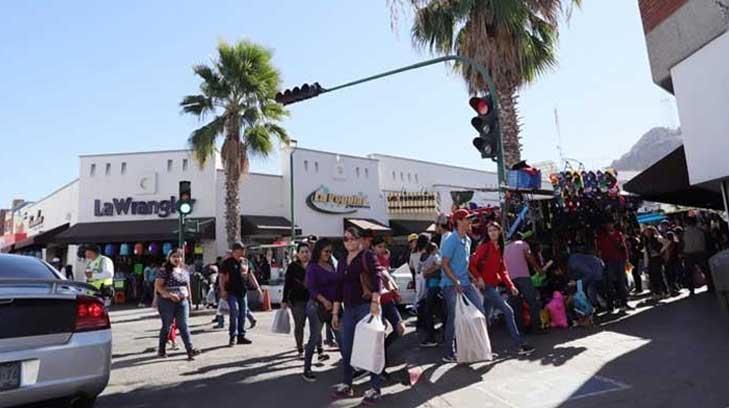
column 472, row 337
column 368, row 350
column 281, row 322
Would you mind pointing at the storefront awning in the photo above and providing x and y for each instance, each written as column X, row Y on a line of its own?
column 407, row 227
column 128, row 231
column 667, row 181
column 42, row 239
column 364, row 224
column 262, row 225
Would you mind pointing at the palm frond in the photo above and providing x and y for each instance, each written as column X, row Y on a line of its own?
column 202, row 140
column 197, row 105
column 258, row 140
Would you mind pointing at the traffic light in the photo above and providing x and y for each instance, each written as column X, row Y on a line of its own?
column 306, row 91
column 486, row 124
column 184, row 204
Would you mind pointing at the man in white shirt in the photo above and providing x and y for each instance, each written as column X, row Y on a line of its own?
column 99, row 269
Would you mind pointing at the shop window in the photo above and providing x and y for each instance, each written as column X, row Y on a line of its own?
column 107, row 171
column 124, row 168
column 316, row 167
column 169, row 165
column 306, row 165
column 357, row 172
column 184, row 164
column 92, row 172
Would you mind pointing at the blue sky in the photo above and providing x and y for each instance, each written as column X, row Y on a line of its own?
column 85, row 77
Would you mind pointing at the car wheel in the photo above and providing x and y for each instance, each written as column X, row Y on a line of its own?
column 83, row 402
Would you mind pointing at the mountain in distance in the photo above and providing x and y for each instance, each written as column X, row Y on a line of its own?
column 651, row 147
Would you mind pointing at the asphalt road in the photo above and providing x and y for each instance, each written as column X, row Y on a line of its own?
column 671, row 355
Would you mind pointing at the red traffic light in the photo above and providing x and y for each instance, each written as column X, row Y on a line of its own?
column 482, row 106
column 298, row 94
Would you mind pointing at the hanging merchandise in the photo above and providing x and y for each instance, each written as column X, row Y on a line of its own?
column 124, row 250
column 138, row 249
column 109, row 250
column 166, row 248
column 188, row 248
column 153, row 248
column 198, row 249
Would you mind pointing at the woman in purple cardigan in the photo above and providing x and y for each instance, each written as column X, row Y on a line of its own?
column 358, row 302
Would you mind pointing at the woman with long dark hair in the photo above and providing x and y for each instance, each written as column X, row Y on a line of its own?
column 295, row 294
column 359, row 292
column 487, row 266
column 653, row 247
column 173, row 286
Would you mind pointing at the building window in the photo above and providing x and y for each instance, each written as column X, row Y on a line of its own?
column 306, row 165
column 416, row 178
column 124, row 168
column 92, row 172
column 316, row 166
column 410, row 178
column 394, row 177
column 184, row 164
column 367, row 173
column 402, row 177
column 357, row 171
column 169, row 165
column 107, row 171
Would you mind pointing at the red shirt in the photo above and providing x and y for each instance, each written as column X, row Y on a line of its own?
column 488, row 263
column 384, row 261
column 612, row 247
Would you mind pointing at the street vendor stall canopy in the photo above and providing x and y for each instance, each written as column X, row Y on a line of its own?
column 667, row 181
column 266, row 225
column 125, row 231
column 364, row 224
column 407, row 227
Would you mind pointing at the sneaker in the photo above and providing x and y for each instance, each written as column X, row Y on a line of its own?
column 343, row 391
column 231, row 343
column 162, row 354
column 253, row 324
column 192, row 353
column 308, row 376
column 330, row 343
column 372, row 397
column 323, row 357
column 525, row 350
column 174, row 346
column 428, row 344
column 243, row 340
column 449, row 359
column 359, row 374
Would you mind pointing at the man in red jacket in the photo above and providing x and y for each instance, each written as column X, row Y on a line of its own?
column 488, row 271
column 614, row 252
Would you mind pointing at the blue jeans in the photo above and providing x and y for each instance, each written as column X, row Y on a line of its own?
column 430, row 309
column 315, row 326
column 180, row 312
column 492, row 299
column 352, row 316
column 449, row 292
column 238, row 305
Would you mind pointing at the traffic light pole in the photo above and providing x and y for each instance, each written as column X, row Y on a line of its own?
column 491, row 88
column 181, row 233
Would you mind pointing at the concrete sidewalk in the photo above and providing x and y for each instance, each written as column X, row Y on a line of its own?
column 671, row 355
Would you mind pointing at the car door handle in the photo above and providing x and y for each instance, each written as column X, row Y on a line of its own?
column 6, row 301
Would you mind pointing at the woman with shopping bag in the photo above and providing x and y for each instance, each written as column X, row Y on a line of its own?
column 487, row 266
column 359, row 266
column 322, row 282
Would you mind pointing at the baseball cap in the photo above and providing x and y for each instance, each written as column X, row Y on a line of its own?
column 238, row 245
column 412, row 237
column 461, row 214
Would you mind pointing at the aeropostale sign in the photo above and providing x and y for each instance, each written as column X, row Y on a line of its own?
column 130, row 206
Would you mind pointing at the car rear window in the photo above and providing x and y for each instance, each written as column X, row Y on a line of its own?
column 24, row 267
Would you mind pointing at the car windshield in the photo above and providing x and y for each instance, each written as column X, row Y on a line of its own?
column 24, row 267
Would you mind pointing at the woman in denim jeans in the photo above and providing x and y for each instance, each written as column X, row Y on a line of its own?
column 358, row 266
column 173, row 286
column 487, row 264
column 321, row 281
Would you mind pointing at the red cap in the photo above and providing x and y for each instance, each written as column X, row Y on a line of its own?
column 460, row 214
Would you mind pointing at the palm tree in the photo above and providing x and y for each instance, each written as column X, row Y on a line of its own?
column 515, row 40
column 237, row 92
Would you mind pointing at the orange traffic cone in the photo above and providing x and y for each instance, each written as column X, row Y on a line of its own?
column 265, row 301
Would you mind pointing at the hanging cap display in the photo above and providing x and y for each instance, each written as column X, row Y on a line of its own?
column 109, row 250
column 153, row 248
column 138, row 248
column 124, row 250
column 167, row 248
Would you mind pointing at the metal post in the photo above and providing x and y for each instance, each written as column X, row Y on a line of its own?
column 291, row 176
column 180, row 234
column 725, row 195
column 491, row 88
